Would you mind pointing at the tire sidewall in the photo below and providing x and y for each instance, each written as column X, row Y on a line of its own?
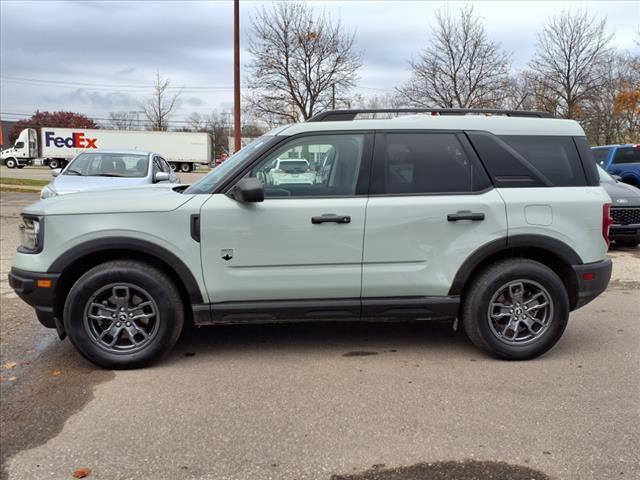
column 526, row 271
column 170, row 309
column 10, row 163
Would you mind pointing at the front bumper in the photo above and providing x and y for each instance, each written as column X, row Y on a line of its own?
column 624, row 232
column 592, row 279
column 38, row 290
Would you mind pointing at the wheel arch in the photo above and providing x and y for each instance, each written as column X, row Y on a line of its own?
column 553, row 253
column 74, row 263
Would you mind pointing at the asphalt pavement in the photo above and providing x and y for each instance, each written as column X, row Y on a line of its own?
column 344, row 401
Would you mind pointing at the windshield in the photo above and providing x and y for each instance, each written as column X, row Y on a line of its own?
column 208, row 183
column 108, row 165
column 604, row 176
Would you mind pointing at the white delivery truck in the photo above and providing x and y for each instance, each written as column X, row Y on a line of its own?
column 55, row 147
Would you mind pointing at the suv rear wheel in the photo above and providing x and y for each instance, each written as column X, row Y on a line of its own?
column 123, row 314
column 516, row 309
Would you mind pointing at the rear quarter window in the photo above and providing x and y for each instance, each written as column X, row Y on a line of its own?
column 556, row 157
column 627, row 155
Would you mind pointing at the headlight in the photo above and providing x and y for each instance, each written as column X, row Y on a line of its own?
column 48, row 192
column 31, row 233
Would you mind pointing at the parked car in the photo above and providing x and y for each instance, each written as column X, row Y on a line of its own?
column 218, row 161
column 108, row 169
column 496, row 220
column 286, row 171
column 620, row 160
column 625, row 210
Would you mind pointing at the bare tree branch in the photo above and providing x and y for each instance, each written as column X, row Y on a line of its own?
column 460, row 68
column 571, row 49
column 161, row 105
column 298, row 59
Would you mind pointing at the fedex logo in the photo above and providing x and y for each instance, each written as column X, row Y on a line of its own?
column 76, row 140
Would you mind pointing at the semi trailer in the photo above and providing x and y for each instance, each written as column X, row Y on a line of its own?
column 55, row 147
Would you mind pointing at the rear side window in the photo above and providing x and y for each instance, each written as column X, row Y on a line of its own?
column 600, row 155
column 424, row 163
column 555, row 157
column 627, row 155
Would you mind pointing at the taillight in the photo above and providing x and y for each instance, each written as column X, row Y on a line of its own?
column 607, row 221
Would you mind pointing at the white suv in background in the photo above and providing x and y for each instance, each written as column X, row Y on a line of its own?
column 495, row 218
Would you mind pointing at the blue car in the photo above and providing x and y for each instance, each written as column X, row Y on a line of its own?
column 620, row 160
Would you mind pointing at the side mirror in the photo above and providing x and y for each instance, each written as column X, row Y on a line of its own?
column 249, row 190
column 161, row 177
column 55, row 172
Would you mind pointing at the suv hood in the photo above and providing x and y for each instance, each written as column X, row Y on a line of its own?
column 141, row 198
column 622, row 194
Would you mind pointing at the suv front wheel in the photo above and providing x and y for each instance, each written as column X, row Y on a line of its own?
column 516, row 309
column 123, row 314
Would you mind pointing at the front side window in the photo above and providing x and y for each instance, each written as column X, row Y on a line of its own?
column 19, row 145
column 218, row 175
column 600, row 155
column 424, row 163
column 627, row 155
column 322, row 165
column 108, row 165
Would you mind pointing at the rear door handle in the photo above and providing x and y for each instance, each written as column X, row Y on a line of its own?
column 465, row 215
column 331, row 217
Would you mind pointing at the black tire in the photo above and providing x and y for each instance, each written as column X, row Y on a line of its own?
column 134, row 277
column 11, row 163
column 53, row 164
column 186, row 167
column 174, row 166
column 483, row 329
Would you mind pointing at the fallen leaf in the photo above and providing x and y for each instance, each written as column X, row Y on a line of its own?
column 56, row 373
column 81, row 473
column 9, row 365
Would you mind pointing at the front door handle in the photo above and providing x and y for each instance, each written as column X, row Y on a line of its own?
column 331, row 217
column 465, row 215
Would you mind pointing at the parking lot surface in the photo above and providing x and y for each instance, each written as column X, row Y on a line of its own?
column 396, row 401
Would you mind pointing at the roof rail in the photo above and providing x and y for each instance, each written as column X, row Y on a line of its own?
column 348, row 115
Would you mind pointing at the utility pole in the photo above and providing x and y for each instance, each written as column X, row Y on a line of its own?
column 236, row 76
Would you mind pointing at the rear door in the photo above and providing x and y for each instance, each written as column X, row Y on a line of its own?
column 431, row 206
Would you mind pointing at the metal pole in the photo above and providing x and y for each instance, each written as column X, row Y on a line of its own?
column 333, row 96
column 236, row 76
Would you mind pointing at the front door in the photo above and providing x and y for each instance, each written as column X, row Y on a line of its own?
column 303, row 244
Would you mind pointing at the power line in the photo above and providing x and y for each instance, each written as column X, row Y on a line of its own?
column 114, row 87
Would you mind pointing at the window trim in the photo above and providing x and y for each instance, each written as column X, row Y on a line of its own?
column 364, row 174
column 379, row 161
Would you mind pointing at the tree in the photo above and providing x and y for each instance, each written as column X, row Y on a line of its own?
column 122, row 121
column 460, row 67
column 52, row 119
column 299, row 59
column 161, row 105
column 571, row 49
column 612, row 115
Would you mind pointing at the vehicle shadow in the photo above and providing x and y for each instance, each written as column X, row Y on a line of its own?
column 345, row 338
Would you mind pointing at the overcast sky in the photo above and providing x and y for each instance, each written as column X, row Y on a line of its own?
column 101, row 56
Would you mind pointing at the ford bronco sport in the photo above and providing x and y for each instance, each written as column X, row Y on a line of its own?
column 495, row 218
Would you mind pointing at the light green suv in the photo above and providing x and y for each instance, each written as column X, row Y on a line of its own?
column 495, row 218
